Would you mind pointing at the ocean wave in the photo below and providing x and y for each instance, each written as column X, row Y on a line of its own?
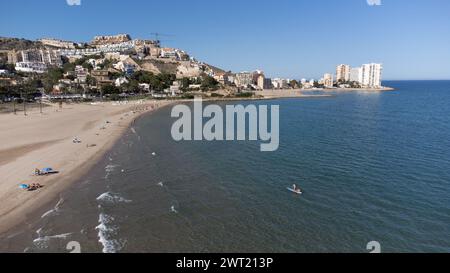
column 43, row 241
column 54, row 211
column 39, row 232
column 109, row 169
column 110, row 197
column 106, row 232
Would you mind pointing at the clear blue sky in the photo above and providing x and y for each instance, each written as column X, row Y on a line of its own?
column 286, row 38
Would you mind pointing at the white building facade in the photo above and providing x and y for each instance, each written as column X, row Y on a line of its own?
column 356, row 74
column 328, row 80
column 343, row 72
column 371, row 75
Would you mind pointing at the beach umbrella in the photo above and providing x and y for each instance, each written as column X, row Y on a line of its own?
column 23, row 186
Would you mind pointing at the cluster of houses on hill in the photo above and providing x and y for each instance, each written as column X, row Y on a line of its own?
column 111, row 60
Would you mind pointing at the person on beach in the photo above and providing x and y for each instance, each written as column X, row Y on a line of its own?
column 37, row 171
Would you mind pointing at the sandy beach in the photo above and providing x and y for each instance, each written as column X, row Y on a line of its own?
column 46, row 140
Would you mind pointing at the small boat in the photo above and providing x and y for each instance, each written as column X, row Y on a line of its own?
column 297, row 191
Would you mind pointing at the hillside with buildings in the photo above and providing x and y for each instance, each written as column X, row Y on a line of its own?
column 119, row 64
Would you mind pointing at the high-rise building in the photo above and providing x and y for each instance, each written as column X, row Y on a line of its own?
column 51, row 57
column 371, row 75
column 328, row 80
column 356, row 74
column 31, row 56
column 263, row 82
column 343, row 73
column 244, row 79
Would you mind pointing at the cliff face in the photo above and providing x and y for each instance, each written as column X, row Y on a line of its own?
column 180, row 68
column 156, row 66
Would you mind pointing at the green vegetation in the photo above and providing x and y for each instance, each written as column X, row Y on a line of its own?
column 188, row 96
column 110, row 89
column 51, row 78
column 157, row 82
column 131, row 86
column 294, row 84
column 209, row 84
column 216, row 95
column 67, row 67
column 184, row 84
column 244, row 95
column 318, row 85
column 91, row 81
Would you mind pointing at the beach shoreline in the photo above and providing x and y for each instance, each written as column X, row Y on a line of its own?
column 19, row 156
column 98, row 126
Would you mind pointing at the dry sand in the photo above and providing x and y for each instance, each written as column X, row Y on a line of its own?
column 46, row 140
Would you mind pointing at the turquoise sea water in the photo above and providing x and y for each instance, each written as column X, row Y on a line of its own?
column 373, row 167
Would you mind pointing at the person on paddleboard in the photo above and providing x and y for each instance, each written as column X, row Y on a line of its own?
column 295, row 188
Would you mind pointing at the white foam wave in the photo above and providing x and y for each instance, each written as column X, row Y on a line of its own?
column 43, row 241
column 106, row 231
column 172, row 209
column 55, row 210
column 109, row 169
column 110, row 197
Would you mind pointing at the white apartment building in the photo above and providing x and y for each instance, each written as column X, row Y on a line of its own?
column 81, row 74
column 48, row 56
column 263, row 82
column 371, row 75
column 244, row 79
column 356, row 74
column 328, row 80
column 343, row 72
column 31, row 56
column 80, row 52
column 51, row 57
column 31, row 67
column 278, row 83
column 168, row 53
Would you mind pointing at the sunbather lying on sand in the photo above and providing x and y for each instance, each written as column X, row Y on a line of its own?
column 33, row 187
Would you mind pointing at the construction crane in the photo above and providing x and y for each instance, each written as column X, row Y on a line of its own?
column 158, row 34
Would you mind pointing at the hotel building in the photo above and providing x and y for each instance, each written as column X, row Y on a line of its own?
column 328, row 80
column 343, row 73
column 371, row 75
column 356, row 74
